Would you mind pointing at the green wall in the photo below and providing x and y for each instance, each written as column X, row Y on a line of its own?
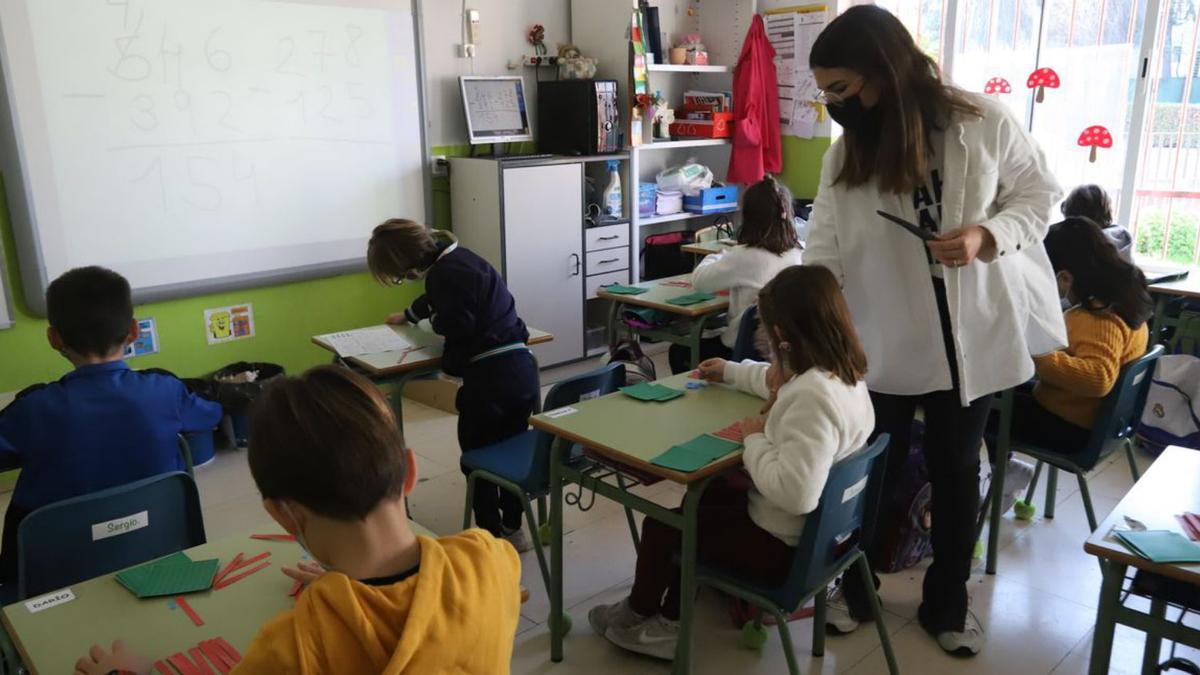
column 802, row 164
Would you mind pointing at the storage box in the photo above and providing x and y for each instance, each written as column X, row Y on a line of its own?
column 647, row 194
column 720, row 126
column 716, row 199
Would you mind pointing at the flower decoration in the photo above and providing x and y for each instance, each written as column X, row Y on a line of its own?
column 537, row 37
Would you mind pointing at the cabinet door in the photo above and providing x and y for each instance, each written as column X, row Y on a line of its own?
column 543, row 256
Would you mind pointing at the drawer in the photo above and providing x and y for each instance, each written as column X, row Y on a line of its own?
column 593, row 283
column 609, row 236
column 599, row 262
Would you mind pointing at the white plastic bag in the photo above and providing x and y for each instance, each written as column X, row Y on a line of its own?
column 689, row 178
column 1172, row 412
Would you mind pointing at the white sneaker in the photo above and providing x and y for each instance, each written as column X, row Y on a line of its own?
column 967, row 643
column 616, row 614
column 654, row 636
column 837, row 613
column 519, row 540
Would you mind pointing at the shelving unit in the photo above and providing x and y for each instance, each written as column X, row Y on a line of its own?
column 669, row 68
column 723, row 25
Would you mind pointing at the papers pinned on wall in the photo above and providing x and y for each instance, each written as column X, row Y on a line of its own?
column 792, row 32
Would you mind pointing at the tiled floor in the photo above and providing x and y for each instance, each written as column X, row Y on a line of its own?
column 1038, row 610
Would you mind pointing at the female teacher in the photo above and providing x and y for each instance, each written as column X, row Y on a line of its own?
column 946, row 322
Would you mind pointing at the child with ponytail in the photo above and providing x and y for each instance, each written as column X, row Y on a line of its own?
column 766, row 244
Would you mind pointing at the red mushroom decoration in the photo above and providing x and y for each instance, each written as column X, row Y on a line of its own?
column 1041, row 79
column 997, row 85
column 1095, row 137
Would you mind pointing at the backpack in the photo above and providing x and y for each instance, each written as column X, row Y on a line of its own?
column 628, row 352
column 905, row 522
column 1172, row 412
column 661, row 256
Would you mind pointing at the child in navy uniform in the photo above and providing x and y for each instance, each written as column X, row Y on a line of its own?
column 101, row 425
column 469, row 305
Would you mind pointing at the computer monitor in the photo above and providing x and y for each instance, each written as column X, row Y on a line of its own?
column 495, row 108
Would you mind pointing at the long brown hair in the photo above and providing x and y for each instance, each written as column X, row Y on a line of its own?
column 767, row 217
column 914, row 101
column 1100, row 280
column 808, row 324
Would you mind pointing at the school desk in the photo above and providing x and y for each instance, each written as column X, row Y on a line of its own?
column 399, row 368
column 624, row 435
column 693, row 318
column 50, row 641
column 707, row 247
column 1163, row 293
column 1171, row 486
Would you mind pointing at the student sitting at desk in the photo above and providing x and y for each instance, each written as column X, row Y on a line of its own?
column 101, row 425
column 469, row 305
column 766, row 243
column 1106, row 329
column 1091, row 201
column 818, row 411
column 328, row 456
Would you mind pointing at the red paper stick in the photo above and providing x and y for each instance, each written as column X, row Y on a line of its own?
column 200, row 661
column 273, row 537
column 216, row 655
column 183, row 665
column 238, row 577
column 296, row 588
column 233, row 564
column 229, row 650
column 187, row 609
column 1193, row 520
column 241, row 564
column 163, row 668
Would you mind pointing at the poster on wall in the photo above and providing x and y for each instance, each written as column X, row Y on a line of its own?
column 226, row 324
column 792, row 32
column 146, row 341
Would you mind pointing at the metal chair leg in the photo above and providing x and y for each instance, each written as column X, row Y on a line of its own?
column 1051, row 491
column 1037, row 473
column 537, row 546
column 819, row 611
column 1087, row 502
column 1133, row 467
column 470, row 500
column 785, row 637
column 877, row 612
column 541, row 510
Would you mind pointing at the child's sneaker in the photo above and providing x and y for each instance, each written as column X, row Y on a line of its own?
column 838, row 619
column 518, row 539
column 616, row 614
column 654, row 636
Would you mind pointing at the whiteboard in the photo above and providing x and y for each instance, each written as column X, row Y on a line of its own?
column 195, row 146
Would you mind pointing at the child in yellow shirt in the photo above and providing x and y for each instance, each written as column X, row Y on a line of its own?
column 1106, row 329
column 333, row 470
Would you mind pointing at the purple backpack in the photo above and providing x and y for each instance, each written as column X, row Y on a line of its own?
column 905, row 522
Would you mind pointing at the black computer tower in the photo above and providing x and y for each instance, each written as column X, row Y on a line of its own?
column 578, row 117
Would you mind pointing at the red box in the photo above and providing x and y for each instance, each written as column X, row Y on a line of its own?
column 720, row 126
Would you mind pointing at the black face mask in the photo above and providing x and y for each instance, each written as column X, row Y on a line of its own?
column 851, row 114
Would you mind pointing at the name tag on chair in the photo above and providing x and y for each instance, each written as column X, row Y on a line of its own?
column 854, row 490
column 123, row 525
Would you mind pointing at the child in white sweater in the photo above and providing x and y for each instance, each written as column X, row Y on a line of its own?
column 817, row 412
column 766, row 244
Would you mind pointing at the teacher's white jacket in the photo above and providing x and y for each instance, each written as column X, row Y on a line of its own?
column 1002, row 311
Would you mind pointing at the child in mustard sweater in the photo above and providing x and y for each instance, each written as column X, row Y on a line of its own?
column 331, row 464
column 1106, row 329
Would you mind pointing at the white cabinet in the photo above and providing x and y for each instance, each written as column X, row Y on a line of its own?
column 526, row 217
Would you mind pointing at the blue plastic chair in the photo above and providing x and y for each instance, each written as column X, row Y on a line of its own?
column 828, row 547
column 1117, row 420
column 744, row 347
column 520, row 464
column 57, row 546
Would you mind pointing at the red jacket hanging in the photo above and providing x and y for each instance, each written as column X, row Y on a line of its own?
column 757, row 148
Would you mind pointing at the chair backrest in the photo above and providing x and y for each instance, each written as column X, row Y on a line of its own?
column 589, row 385
column 745, row 347
column 94, row 534
column 832, row 532
column 1121, row 410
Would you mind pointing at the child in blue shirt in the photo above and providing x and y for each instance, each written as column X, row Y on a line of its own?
column 468, row 303
column 101, row 425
